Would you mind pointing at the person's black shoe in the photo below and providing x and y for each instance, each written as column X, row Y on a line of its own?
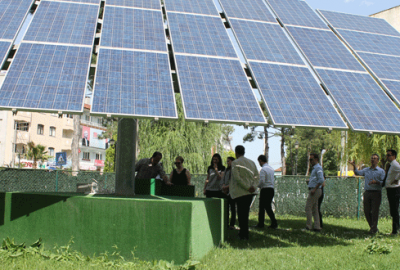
column 257, row 227
column 316, row 230
column 272, row 227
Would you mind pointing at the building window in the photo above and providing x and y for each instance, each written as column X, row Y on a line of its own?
column 40, row 129
column 52, row 131
column 68, row 116
column 99, row 156
column 87, row 117
column 86, row 156
column 51, row 151
column 23, row 126
column 100, row 121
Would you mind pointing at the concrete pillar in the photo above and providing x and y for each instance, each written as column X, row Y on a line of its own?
column 126, row 156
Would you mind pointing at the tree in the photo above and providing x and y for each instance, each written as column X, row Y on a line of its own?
column 36, row 152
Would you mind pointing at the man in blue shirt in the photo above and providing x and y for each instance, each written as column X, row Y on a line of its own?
column 373, row 177
column 314, row 187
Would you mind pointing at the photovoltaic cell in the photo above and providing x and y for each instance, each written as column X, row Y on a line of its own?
column 216, row 89
column 372, row 42
column 4, row 48
column 195, row 34
column 81, row 1
column 247, row 9
column 12, row 14
column 362, row 101
column 385, row 67
column 394, row 87
column 63, row 23
column 293, row 96
column 47, row 77
column 206, row 7
column 147, row 4
column 133, row 83
column 324, row 49
column 359, row 23
column 296, row 12
column 265, row 42
column 133, row 28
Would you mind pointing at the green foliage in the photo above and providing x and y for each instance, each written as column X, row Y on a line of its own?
column 193, row 141
column 36, row 152
column 375, row 247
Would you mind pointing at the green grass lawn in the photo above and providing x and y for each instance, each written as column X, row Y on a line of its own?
column 343, row 244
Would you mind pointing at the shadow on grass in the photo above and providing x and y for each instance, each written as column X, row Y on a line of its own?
column 291, row 233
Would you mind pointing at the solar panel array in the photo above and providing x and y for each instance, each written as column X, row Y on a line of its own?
column 213, row 84
column 58, row 22
column 281, row 75
column 81, row 1
column 12, row 15
column 378, row 46
column 332, row 61
column 46, row 74
column 133, row 72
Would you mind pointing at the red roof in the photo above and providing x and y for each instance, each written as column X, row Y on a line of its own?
column 279, row 169
column 86, row 106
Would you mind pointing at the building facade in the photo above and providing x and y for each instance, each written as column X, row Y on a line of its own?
column 391, row 15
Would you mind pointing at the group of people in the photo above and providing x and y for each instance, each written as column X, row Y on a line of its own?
column 240, row 180
column 376, row 179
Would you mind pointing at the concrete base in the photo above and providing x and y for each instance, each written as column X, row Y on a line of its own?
column 152, row 227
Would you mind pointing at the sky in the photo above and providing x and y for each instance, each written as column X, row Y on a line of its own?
column 358, row 7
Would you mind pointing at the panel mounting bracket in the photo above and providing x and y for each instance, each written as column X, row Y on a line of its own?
column 14, row 111
column 60, row 114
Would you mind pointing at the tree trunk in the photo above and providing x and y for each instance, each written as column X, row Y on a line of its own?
column 308, row 160
column 75, row 144
column 266, row 144
column 283, row 151
column 323, row 152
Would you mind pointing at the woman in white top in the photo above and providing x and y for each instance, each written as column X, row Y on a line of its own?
column 215, row 173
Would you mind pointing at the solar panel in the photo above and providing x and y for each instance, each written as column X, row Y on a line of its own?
column 4, row 48
column 394, row 87
column 293, row 12
column 385, row 67
column 216, row 89
column 12, row 14
column 195, row 34
column 133, row 28
column 81, row 1
column 133, row 83
column 247, row 9
column 359, row 23
column 324, row 49
column 147, row 4
column 265, row 42
column 63, row 23
column 206, row 7
column 372, row 42
column 47, row 77
column 362, row 101
column 293, row 96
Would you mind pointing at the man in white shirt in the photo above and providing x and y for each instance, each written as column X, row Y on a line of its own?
column 391, row 182
column 267, row 193
column 242, row 185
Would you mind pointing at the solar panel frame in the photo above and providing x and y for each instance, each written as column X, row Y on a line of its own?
column 80, row 1
column 264, row 42
column 14, row 23
column 286, row 91
column 146, row 82
column 206, row 75
column 362, row 102
column 145, row 4
column 294, row 12
column 247, row 9
column 358, row 23
column 199, row 39
column 34, row 84
column 5, row 47
column 394, row 89
column 122, row 28
column 374, row 43
column 204, row 7
column 323, row 49
column 52, row 23
column 383, row 66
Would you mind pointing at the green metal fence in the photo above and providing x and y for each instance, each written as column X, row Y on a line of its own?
column 343, row 196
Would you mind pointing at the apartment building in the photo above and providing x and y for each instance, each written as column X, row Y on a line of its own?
column 391, row 15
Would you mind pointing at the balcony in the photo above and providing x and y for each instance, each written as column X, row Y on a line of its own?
column 91, row 123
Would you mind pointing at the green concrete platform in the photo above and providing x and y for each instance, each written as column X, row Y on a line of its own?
column 153, row 227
